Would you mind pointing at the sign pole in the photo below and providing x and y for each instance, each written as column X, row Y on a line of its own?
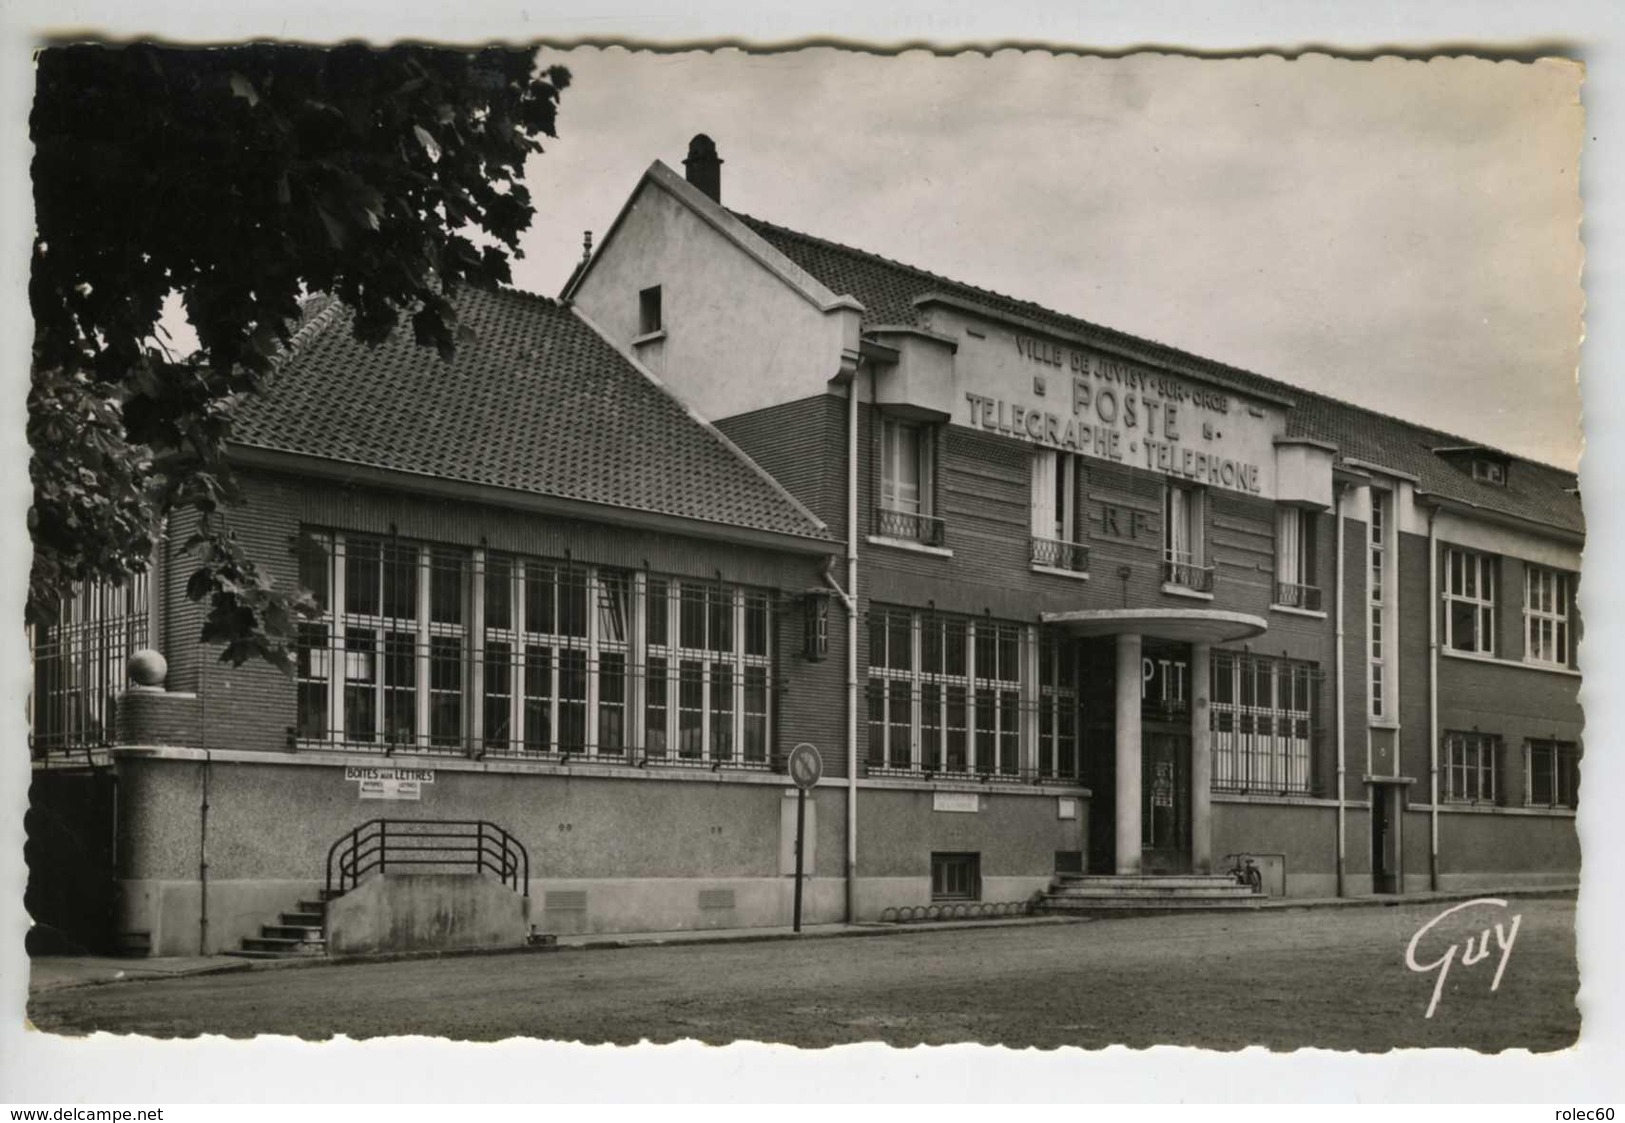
column 805, row 767
column 801, row 824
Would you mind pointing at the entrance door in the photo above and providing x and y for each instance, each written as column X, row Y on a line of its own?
column 1165, row 830
column 1384, row 839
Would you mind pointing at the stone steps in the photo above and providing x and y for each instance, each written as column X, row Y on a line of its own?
column 1107, row 894
column 300, row 932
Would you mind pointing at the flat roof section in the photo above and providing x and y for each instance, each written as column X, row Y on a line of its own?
column 1185, row 625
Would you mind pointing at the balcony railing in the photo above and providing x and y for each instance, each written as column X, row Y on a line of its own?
column 1188, row 575
column 1288, row 595
column 910, row 526
column 1052, row 553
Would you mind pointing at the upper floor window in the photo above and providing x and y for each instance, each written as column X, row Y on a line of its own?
column 1470, row 767
column 1546, row 602
column 907, row 482
column 1469, row 602
column 1490, row 471
column 1183, row 547
column 650, row 316
column 1554, row 774
column 1377, row 601
column 1057, row 511
column 1295, row 584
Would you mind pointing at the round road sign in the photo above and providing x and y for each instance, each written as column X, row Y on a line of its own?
column 805, row 765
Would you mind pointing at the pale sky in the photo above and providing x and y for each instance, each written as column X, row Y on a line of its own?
column 1403, row 235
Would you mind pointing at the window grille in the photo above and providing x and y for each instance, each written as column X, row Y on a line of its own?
column 437, row 649
column 1553, row 774
column 1264, row 723
column 79, row 664
column 947, row 694
column 1471, row 766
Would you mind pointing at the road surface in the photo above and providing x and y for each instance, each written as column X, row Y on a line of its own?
column 1334, row 978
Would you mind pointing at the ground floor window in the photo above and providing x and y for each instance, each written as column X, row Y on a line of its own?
column 945, row 694
column 1264, row 715
column 426, row 648
column 1470, row 767
column 956, row 877
column 1554, row 774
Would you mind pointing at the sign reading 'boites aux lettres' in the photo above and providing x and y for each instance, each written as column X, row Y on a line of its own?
column 1081, row 400
column 389, row 783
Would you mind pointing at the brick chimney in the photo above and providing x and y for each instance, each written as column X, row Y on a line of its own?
column 703, row 166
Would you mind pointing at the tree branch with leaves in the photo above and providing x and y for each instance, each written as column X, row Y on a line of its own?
column 242, row 180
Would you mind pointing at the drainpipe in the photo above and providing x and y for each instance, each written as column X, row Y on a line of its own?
column 1433, row 699
column 851, row 603
column 1342, row 845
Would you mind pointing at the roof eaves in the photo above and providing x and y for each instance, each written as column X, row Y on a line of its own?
column 733, row 449
column 271, row 458
column 1491, row 514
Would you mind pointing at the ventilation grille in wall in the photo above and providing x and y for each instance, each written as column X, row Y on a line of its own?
column 565, row 900
column 716, row 898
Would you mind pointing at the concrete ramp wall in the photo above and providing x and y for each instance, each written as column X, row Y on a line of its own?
column 426, row 912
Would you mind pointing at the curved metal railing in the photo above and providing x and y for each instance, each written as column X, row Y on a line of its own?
column 383, row 844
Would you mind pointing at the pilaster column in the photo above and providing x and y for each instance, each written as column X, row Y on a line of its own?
column 1128, row 754
column 1201, row 761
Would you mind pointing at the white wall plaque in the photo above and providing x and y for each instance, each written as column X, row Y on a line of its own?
column 956, row 801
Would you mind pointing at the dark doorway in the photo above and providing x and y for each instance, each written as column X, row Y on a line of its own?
column 1384, row 839
column 1165, row 830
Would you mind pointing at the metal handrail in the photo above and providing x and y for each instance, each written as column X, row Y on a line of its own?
column 378, row 844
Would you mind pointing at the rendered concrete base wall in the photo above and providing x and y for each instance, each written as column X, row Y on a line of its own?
column 426, row 912
column 1302, row 837
column 169, row 913
column 573, row 906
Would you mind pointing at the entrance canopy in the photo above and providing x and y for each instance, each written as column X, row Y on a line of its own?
column 1186, row 625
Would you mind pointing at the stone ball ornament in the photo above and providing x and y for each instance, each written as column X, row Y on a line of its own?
column 148, row 668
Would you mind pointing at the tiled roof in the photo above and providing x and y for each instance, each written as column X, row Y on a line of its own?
column 536, row 401
column 887, row 289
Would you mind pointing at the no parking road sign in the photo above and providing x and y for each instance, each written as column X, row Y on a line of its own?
column 806, row 766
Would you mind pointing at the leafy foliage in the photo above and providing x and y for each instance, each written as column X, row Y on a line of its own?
column 242, row 179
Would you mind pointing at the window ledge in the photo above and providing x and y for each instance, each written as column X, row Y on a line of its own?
column 965, row 783
column 1520, row 664
column 1446, row 807
column 1183, row 591
column 1383, row 723
column 1288, row 800
column 649, row 337
column 912, row 547
column 1291, row 611
column 1075, row 574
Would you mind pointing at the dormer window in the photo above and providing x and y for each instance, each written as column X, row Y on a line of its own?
column 1485, row 465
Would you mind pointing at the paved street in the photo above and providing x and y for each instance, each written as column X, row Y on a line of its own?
column 1334, row 978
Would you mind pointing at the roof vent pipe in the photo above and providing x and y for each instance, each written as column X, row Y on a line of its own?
column 703, row 166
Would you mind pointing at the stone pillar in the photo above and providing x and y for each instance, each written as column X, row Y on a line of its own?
column 1128, row 754
column 1201, row 761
